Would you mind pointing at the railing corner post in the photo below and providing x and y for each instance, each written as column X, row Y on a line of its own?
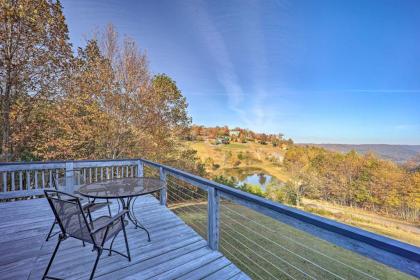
column 69, row 173
column 213, row 221
column 140, row 167
column 163, row 192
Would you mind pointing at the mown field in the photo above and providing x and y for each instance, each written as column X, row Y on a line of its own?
column 267, row 159
column 267, row 249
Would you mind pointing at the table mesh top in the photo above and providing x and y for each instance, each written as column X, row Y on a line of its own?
column 119, row 188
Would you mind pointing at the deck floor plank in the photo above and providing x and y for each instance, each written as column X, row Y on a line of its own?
column 206, row 270
column 176, row 250
column 224, row 273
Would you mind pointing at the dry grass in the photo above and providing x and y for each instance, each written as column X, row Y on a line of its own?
column 395, row 228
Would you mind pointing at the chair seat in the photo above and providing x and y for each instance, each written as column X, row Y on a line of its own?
column 98, row 223
column 94, row 206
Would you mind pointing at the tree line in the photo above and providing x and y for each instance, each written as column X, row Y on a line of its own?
column 101, row 101
column 349, row 179
column 352, row 179
column 242, row 135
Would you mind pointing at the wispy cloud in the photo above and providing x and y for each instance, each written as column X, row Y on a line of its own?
column 251, row 106
column 382, row 90
column 216, row 46
column 407, row 127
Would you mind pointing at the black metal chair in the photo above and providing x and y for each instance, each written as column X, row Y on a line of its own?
column 73, row 222
column 88, row 208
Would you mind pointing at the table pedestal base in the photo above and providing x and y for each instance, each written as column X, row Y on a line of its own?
column 129, row 206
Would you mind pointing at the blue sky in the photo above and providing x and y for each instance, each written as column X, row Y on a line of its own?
column 317, row 71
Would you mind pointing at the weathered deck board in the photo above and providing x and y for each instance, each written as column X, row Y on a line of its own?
column 176, row 251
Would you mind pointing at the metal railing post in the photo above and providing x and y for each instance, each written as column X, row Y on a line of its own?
column 213, row 221
column 69, row 173
column 140, row 167
column 163, row 192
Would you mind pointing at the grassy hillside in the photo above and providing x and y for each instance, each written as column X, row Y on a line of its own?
column 220, row 159
column 394, row 228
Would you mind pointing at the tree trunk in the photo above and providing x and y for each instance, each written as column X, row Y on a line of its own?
column 5, row 141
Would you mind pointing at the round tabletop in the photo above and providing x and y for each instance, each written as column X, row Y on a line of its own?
column 121, row 188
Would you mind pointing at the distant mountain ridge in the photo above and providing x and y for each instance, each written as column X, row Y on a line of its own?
column 396, row 153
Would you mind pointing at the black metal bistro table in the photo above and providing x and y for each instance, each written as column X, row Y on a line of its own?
column 126, row 190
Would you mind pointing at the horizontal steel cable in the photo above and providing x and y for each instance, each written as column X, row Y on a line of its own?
column 186, row 212
column 282, row 271
column 300, row 244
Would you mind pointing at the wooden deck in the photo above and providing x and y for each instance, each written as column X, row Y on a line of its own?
column 176, row 251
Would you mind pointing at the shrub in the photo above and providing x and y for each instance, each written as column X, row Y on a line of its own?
column 228, row 181
column 215, row 166
column 254, row 189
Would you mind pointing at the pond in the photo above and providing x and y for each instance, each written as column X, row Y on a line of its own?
column 252, row 177
column 260, row 179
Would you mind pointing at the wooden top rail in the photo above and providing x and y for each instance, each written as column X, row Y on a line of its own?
column 39, row 165
column 26, row 179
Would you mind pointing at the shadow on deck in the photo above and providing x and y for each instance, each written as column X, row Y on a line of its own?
column 176, row 251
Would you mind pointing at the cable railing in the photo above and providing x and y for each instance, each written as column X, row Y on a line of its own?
column 265, row 239
column 280, row 247
column 189, row 203
column 265, row 251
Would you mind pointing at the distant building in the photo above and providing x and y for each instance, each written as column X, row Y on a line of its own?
column 222, row 140
column 234, row 133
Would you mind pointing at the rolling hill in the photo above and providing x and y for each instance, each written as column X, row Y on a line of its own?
column 396, row 153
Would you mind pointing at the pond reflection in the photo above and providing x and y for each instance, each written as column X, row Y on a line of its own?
column 252, row 177
column 260, row 179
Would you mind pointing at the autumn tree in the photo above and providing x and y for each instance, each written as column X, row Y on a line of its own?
column 34, row 54
column 352, row 179
column 149, row 110
column 303, row 179
column 102, row 103
column 77, row 124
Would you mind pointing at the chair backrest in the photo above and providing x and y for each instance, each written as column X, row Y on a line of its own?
column 56, row 183
column 59, row 183
column 69, row 214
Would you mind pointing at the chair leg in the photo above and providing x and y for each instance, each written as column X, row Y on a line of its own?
column 126, row 241
column 96, row 263
column 51, row 230
column 112, row 244
column 52, row 257
column 90, row 217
